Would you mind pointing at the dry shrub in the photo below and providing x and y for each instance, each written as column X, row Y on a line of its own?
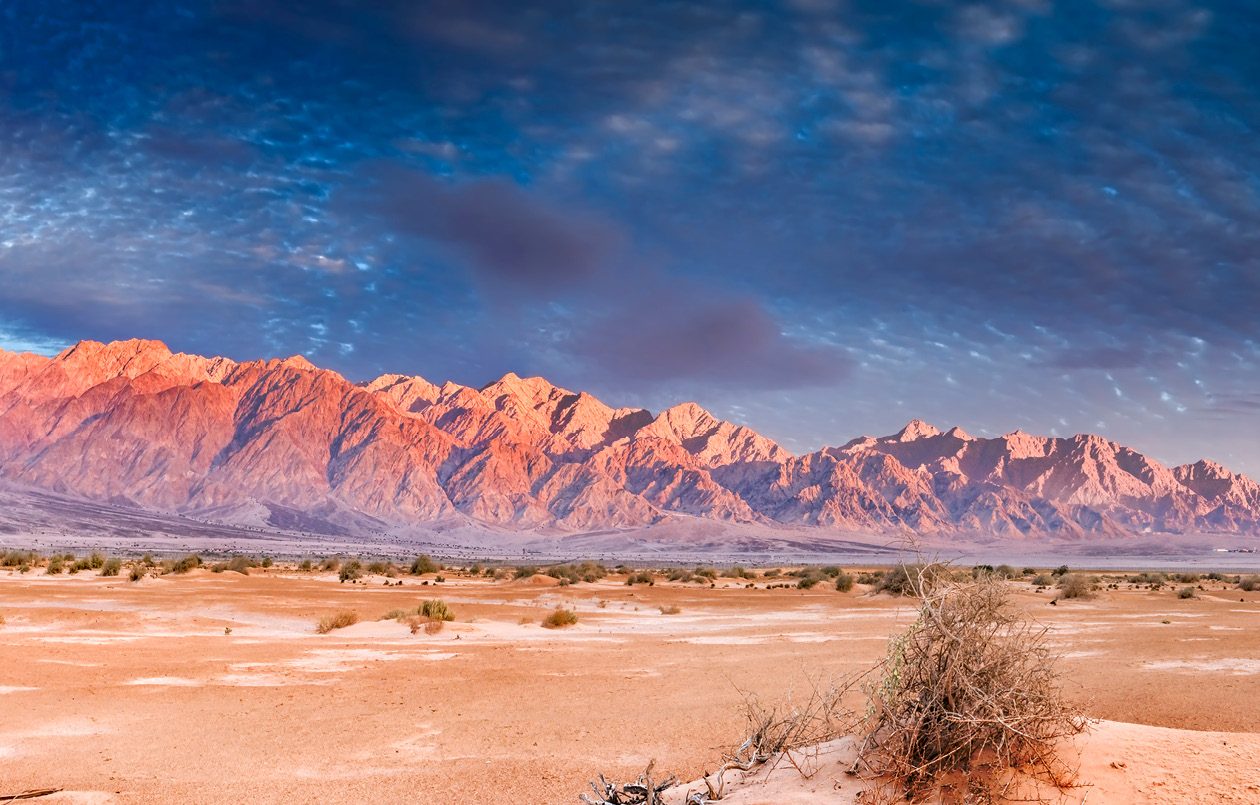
column 338, row 621
column 433, row 627
column 559, row 618
column 970, row 690
column 1075, row 585
column 671, row 610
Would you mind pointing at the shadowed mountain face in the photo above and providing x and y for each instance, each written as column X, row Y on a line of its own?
column 285, row 444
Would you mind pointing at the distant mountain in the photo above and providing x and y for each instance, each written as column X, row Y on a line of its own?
column 285, row 444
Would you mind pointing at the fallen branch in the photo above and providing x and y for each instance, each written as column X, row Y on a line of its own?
column 32, row 793
column 642, row 791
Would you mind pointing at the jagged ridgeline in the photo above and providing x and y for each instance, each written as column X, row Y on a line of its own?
column 284, row 443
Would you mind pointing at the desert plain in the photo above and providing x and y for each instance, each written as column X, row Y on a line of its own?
column 217, row 687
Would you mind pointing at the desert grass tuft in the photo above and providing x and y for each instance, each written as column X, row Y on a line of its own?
column 436, row 610
column 339, row 620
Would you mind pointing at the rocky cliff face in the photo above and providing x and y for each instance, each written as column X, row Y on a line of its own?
column 284, row 443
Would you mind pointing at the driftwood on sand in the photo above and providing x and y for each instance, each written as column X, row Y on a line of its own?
column 643, row 791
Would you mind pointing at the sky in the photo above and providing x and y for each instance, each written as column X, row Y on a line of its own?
column 821, row 218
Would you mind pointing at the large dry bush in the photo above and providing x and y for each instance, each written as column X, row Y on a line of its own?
column 969, row 690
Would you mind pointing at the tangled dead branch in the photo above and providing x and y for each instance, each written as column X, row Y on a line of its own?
column 970, row 690
column 787, row 732
column 643, row 791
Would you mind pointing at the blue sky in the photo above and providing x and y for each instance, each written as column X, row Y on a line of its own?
column 819, row 218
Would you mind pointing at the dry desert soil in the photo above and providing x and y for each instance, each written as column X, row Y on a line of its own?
column 215, row 687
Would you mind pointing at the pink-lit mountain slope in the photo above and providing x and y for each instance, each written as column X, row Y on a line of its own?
column 286, row 444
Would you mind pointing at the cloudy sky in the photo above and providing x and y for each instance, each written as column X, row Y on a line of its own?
column 818, row 217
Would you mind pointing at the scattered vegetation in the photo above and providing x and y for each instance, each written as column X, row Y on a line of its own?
column 909, row 579
column 183, row 565
column 19, row 559
column 111, row 566
column 339, row 620
column 1249, row 584
column 525, row 571
column 642, row 577
column 351, row 571
column 237, row 564
column 559, row 618
column 573, row 573
column 55, row 565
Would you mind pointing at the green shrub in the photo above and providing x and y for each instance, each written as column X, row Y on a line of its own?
column 844, row 582
column 907, row 579
column 350, row 571
column 55, row 565
column 436, row 610
column 588, row 572
column 424, row 564
column 1061, row 570
column 266, row 562
column 186, row 564
column 525, row 571
column 338, row 621
column 642, row 577
column 96, row 561
column 138, row 571
column 808, row 582
column 111, row 566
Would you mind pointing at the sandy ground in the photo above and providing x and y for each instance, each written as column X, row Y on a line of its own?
column 132, row 692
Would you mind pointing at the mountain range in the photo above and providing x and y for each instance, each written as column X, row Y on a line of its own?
column 285, row 444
